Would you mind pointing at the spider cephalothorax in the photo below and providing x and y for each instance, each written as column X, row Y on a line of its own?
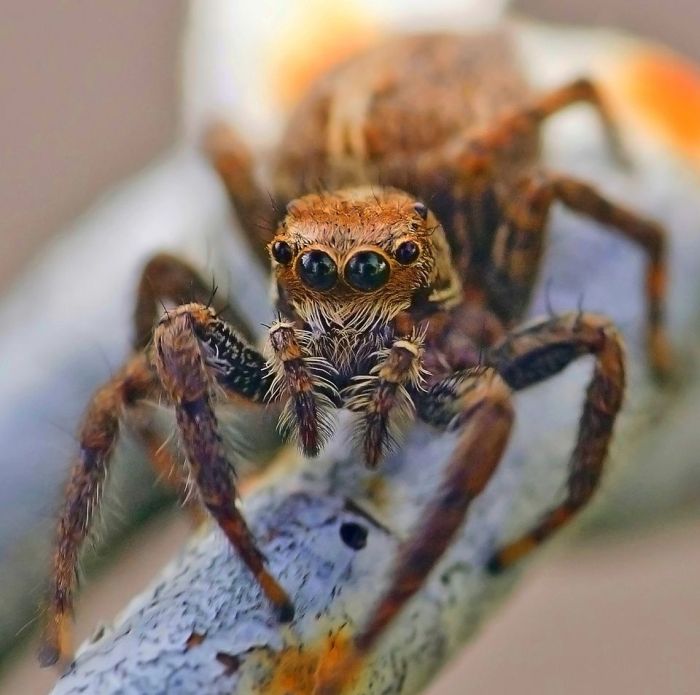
column 355, row 258
column 385, row 308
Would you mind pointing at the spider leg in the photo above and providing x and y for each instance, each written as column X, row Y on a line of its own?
column 525, row 122
column 194, row 353
column 307, row 381
column 190, row 365
column 538, row 351
column 519, row 244
column 474, row 157
column 166, row 466
column 97, row 437
column 254, row 207
column 168, row 278
column 382, row 398
column 477, row 402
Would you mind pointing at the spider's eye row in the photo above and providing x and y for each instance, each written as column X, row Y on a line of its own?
column 407, row 252
column 317, row 270
column 421, row 210
column 282, row 252
column 367, row 271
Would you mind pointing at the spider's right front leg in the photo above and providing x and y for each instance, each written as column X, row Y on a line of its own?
column 195, row 352
column 477, row 403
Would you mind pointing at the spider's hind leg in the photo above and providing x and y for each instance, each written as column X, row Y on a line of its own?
column 519, row 243
column 539, row 351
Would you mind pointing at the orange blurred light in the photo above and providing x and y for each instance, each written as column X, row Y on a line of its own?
column 664, row 90
column 325, row 34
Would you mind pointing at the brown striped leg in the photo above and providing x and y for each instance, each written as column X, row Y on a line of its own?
column 518, row 248
column 307, row 383
column 167, row 278
column 238, row 370
column 382, row 398
column 478, row 403
column 254, row 206
column 649, row 236
column 538, row 351
column 194, row 352
column 516, row 252
column 97, row 438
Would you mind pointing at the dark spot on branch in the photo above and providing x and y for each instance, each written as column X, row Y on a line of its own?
column 353, row 535
column 230, row 662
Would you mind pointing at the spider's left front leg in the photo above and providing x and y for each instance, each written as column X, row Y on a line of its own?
column 476, row 402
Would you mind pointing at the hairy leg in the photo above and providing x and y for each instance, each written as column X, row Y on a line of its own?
column 167, row 278
column 306, row 381
column 538, row 351
column 382, row 398
column 195, row 353
column 477, row 403
column 168, row 469
column 254, row 206
column 519, row 244
column 97, row 437
column 524, row 122
column 215, row 358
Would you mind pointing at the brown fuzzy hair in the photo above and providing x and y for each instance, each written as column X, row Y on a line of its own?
column 355, row 219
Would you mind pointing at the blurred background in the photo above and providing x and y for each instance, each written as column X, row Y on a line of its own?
column 90, row 94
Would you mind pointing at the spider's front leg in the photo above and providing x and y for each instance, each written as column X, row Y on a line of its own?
column 538, row 351
column 477, row 402
column 382, row 398
column 97, row 439
column 195, row 352
column 307, row 383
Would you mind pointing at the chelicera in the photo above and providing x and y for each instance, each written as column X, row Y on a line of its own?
column 405, row 238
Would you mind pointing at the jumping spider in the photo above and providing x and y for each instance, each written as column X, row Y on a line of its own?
column 400, row 286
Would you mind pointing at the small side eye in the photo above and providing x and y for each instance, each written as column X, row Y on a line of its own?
column 421, row 210
column 282, row 252
column 407, row 252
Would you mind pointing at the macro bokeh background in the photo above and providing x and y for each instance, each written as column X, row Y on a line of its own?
column 90, row 94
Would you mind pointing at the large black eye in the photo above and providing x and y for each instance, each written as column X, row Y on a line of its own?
column 282, row 252
column 318, row 270
column 407, row 252
column 367, row 271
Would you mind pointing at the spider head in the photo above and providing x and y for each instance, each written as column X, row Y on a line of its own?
column 357, row 257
